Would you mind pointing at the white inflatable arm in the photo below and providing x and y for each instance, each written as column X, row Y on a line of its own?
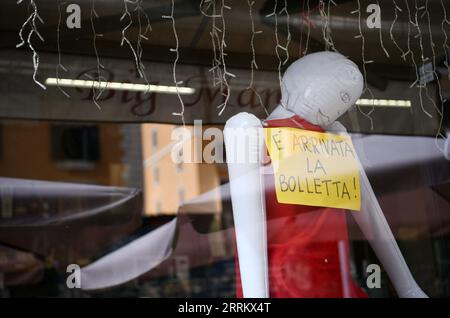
column 373, row 224
column 244, row 145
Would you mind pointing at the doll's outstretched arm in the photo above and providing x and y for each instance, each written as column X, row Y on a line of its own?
column 373, row 224
column 244, row 145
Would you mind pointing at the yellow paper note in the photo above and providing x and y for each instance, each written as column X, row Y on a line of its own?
column 313, row 168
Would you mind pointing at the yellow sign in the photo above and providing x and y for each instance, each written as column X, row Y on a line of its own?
column 312, row 168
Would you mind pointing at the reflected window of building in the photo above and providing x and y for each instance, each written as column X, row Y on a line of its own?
column 154, row 134
column 156, row 175
column 181, row 195
column 179, row 165
column 75, row 146
column 158, row 208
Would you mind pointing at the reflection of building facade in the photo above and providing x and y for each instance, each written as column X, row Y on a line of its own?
column 128, row 155
column 98, row 154
column 81, row 153
column 167, row 185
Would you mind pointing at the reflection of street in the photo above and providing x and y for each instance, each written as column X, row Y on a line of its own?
column 79, row 223
column 52, row 224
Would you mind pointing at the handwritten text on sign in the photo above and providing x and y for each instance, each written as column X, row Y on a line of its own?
column 312, row 168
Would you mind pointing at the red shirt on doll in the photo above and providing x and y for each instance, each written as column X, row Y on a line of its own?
column 307, row 246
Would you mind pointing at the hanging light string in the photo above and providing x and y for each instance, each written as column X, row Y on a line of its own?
column 97, row 87
column 60, row 66
column 309, row 28
column 439, row 110
column 302, row 23
column 284, row 10
column 127, row 14
column 364, row 63
column 423, row 59
column 324, row 11
column 323, row 16
column 278, row 45
column 446, row 48
column 413, row 59
column 333, row 47
column 142, row 35
column 253, row 64
column 221, row 75
column 176, row 51
column 433, row 62
column 31, row 22
column 391, row 29
column 226, row 91
column 380, row 33
column 445, row 45
column 408, row 42
column 215, row 70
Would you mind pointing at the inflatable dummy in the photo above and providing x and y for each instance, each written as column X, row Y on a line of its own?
column 291, row 249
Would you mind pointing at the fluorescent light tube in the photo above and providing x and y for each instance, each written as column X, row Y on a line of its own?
column 383, row 102
column 163, row 89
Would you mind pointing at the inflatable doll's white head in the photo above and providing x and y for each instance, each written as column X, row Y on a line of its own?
column 321, row 86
